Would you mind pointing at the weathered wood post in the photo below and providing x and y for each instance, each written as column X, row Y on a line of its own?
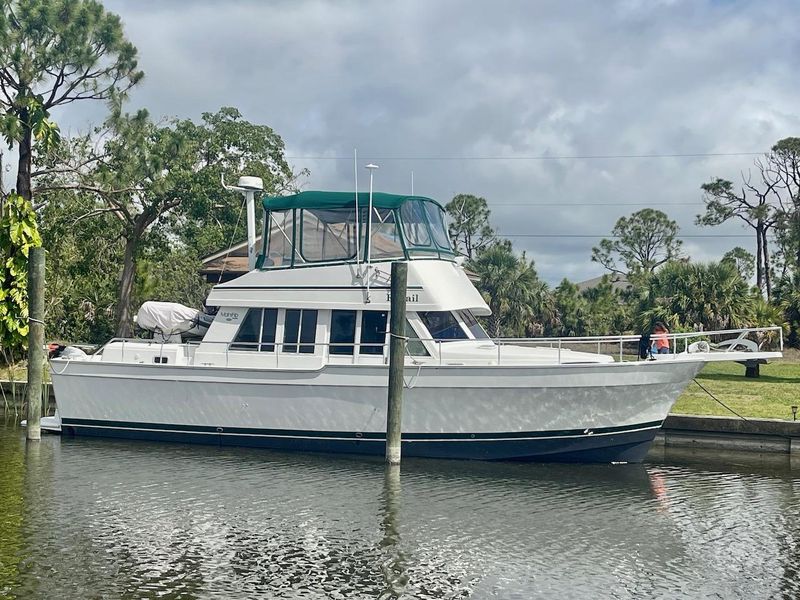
column 397, row 356
column 35, row 341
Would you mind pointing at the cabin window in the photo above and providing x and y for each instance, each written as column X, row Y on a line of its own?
column 257, row 331
column 299, row 325
column 373, row 331
column 414, row 346
column 442, row 325
column 268, row 325
column 472, row 324
column 328, row 234
column 343, row 331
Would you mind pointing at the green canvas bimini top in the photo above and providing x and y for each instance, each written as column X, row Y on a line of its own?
column 313, row 199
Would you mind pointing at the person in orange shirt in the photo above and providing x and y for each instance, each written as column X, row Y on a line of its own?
column 660, row 339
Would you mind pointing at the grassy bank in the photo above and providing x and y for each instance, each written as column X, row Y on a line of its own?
column 770, row 396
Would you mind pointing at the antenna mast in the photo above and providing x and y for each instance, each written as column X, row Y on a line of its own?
column 371, row 168
column 248, row 186
column 358, row 230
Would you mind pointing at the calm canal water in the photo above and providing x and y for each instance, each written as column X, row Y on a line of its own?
column 86, row 518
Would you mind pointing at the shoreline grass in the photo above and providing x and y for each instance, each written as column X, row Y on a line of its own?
column 769, row 396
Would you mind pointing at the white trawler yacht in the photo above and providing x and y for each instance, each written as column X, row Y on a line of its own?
column 296, row 357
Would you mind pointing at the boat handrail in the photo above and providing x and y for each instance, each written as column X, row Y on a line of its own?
column 561, row 344
column 636, row 337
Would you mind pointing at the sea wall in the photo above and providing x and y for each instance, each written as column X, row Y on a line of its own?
column 730, row 433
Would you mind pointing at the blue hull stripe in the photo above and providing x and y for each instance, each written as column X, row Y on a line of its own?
column 608, row 444
column 349, row 435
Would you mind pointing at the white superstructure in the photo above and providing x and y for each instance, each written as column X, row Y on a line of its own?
column 296, row 356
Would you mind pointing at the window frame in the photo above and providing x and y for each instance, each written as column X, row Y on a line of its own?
column 257, row 345
column 301, row 251
column 300, row 345
column 371, row 348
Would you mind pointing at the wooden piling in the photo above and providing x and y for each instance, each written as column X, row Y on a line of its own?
column 397, row 355
column 35, row 341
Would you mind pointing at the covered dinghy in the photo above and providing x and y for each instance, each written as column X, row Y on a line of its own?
column 172, row 322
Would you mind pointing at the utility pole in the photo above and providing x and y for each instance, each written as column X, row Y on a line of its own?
column 397, row 356
column 35, row 341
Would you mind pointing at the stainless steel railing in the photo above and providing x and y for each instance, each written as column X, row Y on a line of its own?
column 623, row 347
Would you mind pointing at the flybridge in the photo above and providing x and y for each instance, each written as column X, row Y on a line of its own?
column 315, row 227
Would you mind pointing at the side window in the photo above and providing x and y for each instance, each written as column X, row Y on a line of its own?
column 373, row 331
column 299, row 325
column 268, row 325
column 343, row 331
column 257, row 331
column 247, row 336
column 442, row 325
column 308, row 331
column 415, row 346
column 472, row 324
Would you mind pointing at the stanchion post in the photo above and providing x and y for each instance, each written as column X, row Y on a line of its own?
column 35, row 341
column 397, row 354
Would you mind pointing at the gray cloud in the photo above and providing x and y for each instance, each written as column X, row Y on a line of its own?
column 508, row 79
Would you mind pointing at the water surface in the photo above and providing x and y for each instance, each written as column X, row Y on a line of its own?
column 82, row 518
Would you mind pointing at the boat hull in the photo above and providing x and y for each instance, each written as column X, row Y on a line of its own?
column 581, row 413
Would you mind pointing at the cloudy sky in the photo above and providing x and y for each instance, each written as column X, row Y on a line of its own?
column 552, row 111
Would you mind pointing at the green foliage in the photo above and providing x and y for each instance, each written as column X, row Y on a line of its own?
column 83, row 266
column 598, row 310
column 571, row 308
column 469, row 226
column 642, row 242
column 56, row 52
column 769, row 205
column 69, row 48
column 28, row 113
column 785, row 164
column 228, row 146
column 512, row 289
column 744, row 262
column 606, row 312
column 18, row 234
column 172, row 276
column 688, row 295
column 787, row 297
column 156, row 188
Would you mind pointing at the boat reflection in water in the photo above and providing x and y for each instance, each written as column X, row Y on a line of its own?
column 122, row 519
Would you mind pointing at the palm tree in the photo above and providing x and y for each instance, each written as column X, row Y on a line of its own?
column 511, row 288
column 787, row 295
column 685, row 295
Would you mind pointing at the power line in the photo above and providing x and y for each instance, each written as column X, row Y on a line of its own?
column 605, row 235
column 568, row 204
column 544, row 157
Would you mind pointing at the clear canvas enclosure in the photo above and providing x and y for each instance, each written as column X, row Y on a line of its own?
column 331, row 227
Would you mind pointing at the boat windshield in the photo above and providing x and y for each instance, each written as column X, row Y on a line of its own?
column 323, row 227
column 424, row 231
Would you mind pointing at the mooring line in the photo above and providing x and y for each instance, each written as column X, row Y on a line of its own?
column 720, row 401
column 743, row 418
